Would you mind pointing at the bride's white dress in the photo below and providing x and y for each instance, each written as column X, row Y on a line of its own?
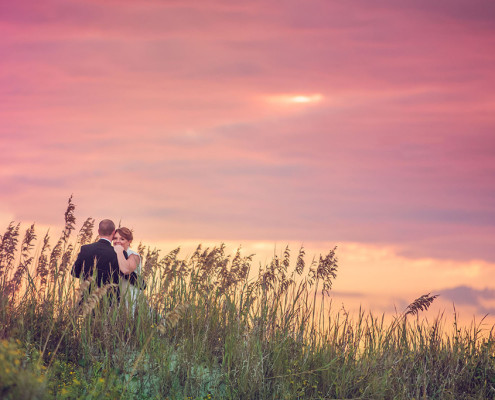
column 129, row 291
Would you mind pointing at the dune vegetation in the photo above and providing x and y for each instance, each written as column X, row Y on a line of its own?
column 209, row 326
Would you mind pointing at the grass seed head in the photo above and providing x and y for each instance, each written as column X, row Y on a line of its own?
column 95, row 298
column 420, row 304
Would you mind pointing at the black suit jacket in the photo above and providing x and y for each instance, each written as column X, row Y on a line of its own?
column 101, row 255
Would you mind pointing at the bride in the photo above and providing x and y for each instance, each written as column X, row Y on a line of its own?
column 129, row 265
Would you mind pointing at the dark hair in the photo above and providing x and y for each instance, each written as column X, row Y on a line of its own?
column 126, row 233
column 106, row 227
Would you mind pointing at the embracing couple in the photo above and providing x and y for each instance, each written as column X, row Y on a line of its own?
column 118, row 264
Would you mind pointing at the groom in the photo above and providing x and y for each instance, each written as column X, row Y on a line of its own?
column 99, row 255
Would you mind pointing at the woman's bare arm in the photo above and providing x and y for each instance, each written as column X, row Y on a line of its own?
column 129, row 265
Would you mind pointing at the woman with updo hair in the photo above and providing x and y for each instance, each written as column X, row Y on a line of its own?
column 129, row 265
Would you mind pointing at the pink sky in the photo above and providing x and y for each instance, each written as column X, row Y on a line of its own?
column 363, row 124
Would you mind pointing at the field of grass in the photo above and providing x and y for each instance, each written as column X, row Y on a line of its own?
column 208, row 327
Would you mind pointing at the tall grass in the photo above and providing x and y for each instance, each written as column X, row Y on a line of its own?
column 208, row 326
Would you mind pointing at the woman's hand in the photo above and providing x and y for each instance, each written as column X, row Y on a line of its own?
column 126, row 266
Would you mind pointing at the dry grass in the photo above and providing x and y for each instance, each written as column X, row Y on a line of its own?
column 420, row 304
column 204, row 326
column 95, row 298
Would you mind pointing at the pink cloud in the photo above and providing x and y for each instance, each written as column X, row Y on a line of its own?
column 157, row 112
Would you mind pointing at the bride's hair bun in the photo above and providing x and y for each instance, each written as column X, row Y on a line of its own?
column 126, row 233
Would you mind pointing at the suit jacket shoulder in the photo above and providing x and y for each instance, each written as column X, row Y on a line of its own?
column 100, row 255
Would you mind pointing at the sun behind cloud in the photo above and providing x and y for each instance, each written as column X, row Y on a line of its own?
column 295, row 98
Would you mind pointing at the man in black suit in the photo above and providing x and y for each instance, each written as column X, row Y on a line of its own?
column 100, row 255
